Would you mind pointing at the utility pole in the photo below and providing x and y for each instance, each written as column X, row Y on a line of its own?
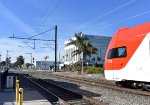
column 31, row 38
column 59, row 58
column 55, row 48
column 7, row 59
column 82, row 58
column 7, row 54
column 0, row 61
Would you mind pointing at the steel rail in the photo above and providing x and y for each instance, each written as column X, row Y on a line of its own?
column 83, row 99
column 103, row 84
column 88, row 99
column 61, row 101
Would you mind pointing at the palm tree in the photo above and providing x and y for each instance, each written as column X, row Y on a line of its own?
column 84, row 46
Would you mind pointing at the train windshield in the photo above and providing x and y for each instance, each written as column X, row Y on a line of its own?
column 118, row 52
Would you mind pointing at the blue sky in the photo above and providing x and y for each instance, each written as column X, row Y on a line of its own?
column 25, row 18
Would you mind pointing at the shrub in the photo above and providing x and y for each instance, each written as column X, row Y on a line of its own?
column 87, row 69
column 67, row 68
column 93, row 70
column 77, row 64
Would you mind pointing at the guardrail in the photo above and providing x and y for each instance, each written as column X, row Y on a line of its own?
column 19, row 93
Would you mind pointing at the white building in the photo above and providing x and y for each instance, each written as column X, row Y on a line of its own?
column 100, row 42
column 68, row 50
column 44, row 65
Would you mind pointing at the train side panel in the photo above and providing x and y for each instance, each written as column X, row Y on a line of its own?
column 138, row 68
column 135, row 64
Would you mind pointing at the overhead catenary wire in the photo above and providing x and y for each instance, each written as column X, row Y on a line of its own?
column 44, row 14
column 31, row 39
column 111, row 11
column 137, row 15
column 50, row 13
column 41, row 33
column 48, row 47
column 30, row 46
column 100, row 21
column 122, row 10
column 57, row 5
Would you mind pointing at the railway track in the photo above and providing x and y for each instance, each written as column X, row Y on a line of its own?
column 31, row 85
column 103, row 84
column 58, row 95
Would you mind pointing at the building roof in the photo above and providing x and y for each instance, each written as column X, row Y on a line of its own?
column 87, row 35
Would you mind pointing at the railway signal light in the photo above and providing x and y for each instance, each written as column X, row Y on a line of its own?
column 33, row 60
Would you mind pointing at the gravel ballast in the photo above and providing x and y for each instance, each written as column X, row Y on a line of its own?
column 113, row 97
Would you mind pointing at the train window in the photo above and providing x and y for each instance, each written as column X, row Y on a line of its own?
column 110, row 54
column 117, row 52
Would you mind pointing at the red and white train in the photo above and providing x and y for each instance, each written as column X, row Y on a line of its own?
column 127, row 58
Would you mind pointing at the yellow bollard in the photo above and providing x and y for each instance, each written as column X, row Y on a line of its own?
column 17, row 89
column 20, row 96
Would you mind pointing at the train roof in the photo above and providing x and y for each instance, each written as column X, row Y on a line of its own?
column 140, row 28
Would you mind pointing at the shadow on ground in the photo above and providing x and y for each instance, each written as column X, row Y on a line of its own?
column 31, row 89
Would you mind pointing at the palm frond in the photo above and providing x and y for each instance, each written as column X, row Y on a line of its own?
column 75, row 52
column 83, row 45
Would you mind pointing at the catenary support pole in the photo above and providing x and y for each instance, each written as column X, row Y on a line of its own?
column 55, row 48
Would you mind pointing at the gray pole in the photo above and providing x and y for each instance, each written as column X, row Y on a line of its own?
column 34, row 45
column 82, row 67
column 59, row 57
column 7, row 59
column 31, row 60
column 82, row 62
column 55, row 48
column 0, row 61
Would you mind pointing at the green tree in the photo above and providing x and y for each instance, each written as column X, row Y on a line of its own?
column 19, row 62
column 83, row 45
column 7, row 62
column 27, row 65
column 3, row 63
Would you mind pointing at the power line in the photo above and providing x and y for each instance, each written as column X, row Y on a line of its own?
column 30, row 38
column 50, row 13
column 121, row 11
column 45, row 12
column 31, row 46
column 57, row 5
column 43, row 40
column 118, row 12
column 48, row 47
column 111, row 11
column 41, row 33
column 140, row 14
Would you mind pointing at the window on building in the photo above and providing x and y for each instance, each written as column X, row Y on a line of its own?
column 117, row 52
column 93, row 59
column 98, row 59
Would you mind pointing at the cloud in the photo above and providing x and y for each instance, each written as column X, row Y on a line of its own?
column 12, row 45
column 14, row 51
column 15, row 20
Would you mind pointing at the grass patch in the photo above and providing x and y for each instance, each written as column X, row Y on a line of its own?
column 93, row 70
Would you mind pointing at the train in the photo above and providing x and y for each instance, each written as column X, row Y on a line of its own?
column 127, row 60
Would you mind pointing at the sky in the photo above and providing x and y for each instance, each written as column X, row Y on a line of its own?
column 26, row 18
